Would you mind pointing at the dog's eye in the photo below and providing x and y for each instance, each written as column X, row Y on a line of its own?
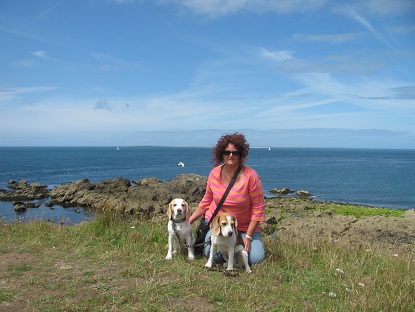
column 223, row 223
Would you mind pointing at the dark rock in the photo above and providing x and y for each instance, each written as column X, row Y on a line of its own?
column 283, row 191
column 272, row 220
column 50, row 204
column 22, row 191
column 19, row 207
column 31, row 205
column 303, row 193
column 148, row 196
column 23, row 206
column 148, row 182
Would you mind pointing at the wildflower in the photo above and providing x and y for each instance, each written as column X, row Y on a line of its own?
column 395, row 255
column 340, row 271
column 332, row 295
column 133, row 227
column 361, row 284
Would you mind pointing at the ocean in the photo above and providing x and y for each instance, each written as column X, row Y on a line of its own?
column 373, row 177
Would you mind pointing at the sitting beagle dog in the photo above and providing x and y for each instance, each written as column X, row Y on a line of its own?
column 179, row 228
column 228, row 241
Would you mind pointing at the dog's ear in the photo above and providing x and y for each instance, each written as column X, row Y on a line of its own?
column 187, row 209
column 236, row 222
column 169, row 209
column 215, row 226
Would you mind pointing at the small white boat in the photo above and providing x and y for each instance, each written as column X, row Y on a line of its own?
column 117, row 148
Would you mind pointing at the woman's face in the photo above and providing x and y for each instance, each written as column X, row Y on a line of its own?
column 229, row 158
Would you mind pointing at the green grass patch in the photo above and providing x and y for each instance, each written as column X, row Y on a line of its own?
column 360, row 211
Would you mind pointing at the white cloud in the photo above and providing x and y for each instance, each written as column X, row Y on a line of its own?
column 275, row 55
column 40, row 54
column 43, row 56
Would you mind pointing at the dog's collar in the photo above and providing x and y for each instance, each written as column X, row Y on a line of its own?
column 178, row 221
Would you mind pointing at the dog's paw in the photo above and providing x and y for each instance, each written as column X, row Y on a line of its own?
column 208, row 265
column 248, row 270
column 231, row 272
column 168, row 257
column 191, row 257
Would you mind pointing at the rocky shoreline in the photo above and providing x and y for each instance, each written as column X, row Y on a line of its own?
column 291, row 217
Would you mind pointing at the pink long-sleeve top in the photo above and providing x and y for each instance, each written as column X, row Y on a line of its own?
column 245, row 201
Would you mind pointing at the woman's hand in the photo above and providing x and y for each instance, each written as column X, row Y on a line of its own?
column 247, row 244
column 248, row 238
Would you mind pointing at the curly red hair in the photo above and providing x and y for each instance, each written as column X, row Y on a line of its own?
column 237, row 139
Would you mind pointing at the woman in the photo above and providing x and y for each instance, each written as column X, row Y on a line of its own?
column 246, row 198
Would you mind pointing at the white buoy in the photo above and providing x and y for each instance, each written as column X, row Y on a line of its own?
column 181, row 164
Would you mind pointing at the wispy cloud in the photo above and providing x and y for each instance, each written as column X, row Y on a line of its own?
column 220, row 8
column 50, row 9
column 328, row 38
column 43, row 56
column 40, row 54
column 14, row 93
column 369, row 27
column 275, row 55
column 27, row 90
column 28, row 62
column 404, row 93
column 25, row 29
column 107, row 62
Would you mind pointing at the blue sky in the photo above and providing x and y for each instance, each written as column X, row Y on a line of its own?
column 291, row 73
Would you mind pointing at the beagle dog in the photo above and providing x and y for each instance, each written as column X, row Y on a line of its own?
column 228, row 241
column 179, row 228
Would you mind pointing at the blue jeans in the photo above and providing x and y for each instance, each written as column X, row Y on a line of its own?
column 256, row 255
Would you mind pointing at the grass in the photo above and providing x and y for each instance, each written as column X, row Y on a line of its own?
column 359, row 211
column 113, row 265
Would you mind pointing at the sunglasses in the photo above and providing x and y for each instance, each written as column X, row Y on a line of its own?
column 234, row 153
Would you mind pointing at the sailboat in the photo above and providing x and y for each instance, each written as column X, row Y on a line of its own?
column 117, row 149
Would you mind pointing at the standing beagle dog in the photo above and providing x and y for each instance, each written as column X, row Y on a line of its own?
column 179, row 228
column 228, row 241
